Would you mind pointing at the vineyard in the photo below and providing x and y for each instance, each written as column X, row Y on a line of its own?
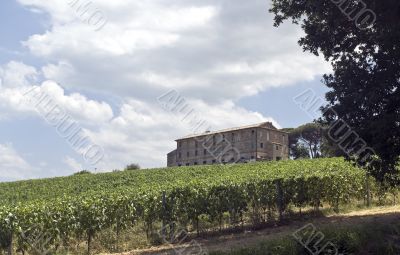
column 80, row 207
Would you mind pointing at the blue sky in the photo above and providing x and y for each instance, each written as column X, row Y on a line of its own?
column 17, row 24
column 224, row 57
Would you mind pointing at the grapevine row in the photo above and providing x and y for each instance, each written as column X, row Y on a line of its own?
column 183, row 196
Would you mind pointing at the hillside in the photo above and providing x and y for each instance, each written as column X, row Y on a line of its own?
column 79, row 208
column 161, row 179
column 349, row 231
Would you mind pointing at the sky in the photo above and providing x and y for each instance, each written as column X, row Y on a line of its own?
column 103, row 66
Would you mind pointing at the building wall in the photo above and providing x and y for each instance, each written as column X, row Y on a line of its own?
column 275, row 143
column 242, row 145
column 171, row 158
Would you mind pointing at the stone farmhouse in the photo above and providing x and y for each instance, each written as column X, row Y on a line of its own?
column 242, row 144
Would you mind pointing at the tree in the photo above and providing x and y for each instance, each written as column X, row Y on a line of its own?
column 299, row 151
column 311, row 140
column 361, row 39
column 293, row 140
column 305, row 141
column 83, row 172
column 328, row 147
column 296, row 150
column 310, row 136
column 132, row 166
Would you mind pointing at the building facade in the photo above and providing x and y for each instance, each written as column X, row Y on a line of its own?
column 243, row 144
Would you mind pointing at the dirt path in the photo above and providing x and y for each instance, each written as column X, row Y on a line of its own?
column 250, row 238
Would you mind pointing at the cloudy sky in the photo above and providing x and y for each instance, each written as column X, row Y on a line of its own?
column 104, row 64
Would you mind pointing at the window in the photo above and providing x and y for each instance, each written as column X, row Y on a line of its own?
column 205, row 152
column 213, row 139
column 204, row 162
column 252, row 157
column 196, row 144
column 214, row 161
column 179, row 165
column 277, row 147
column 252, row 132
column 195, row 163
column 195, row 153
column 180, row 155
column 261, row 145
column 233, row 137
column 179, row 144
column 232, row 159
column 187, row 154
column 278, row 158
column 187, row 164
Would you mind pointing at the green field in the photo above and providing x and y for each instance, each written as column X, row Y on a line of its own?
column 81, row 206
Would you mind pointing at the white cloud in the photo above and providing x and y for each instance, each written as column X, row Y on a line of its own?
column 210, row 49
column 12, row 165
column 78, row 105
column 213, row 52
column 73, row 165
column 13, row 103
column 143, row 133
column 17, row 74
column 131, row 26
column 61, row 69
column 75, row 105
column 140, row 131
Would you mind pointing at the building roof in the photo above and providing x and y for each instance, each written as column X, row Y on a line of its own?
column 267, row 125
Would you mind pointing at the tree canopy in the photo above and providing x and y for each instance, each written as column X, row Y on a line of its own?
column 311, row 141
column 361, row 39
column 309, row 135
column 132, row 166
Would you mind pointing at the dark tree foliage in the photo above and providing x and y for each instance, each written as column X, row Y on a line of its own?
column 82, row 172
column 299, row 151
column 308, row 136
column 132, row 166
column 365, row 57
column 296, row 151
column 330, row 148
column 311, row 141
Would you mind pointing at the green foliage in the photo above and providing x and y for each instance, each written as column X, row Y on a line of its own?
column 311, row 141
column 308, row 136
column 368, row 238
column 82, row 172
column 299, row 151
column 80, row 206
column 132, row 166
column 365, row 57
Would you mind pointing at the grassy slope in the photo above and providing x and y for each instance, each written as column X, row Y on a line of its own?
column 45, row 189
column 372, row 233
column 157, row 179
column 367, row 231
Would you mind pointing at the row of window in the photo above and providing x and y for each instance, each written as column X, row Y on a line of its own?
column 233, row 139
column 195, row 153
column 214, row 161
column 204, row 163
column 205, row 151
column 233, row 136
column 223, row 162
